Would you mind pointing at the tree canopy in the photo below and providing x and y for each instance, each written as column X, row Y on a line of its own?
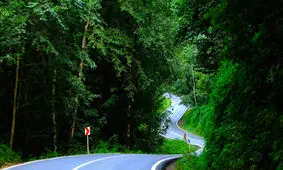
column 238, row 68
column 65, row 65
column 82, row 63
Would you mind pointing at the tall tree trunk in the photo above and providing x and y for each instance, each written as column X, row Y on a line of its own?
column 54, row 111
column 128, row 128
column 15, row 103
column 79, row 78
column 194, row 86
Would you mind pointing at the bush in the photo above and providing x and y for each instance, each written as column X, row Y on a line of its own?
column 190, row 162
column 202, row 99
column 8, row 156
column 110, row 146
column 49, row 154
column 76, row 148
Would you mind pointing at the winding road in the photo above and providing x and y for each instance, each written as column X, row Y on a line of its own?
column 174, row 131
column 119, row 161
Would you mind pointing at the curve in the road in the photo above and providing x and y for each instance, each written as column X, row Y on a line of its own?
column 120, row 161
column 98, row 162
column 174, row 131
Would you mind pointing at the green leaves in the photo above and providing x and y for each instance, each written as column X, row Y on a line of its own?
column 45, row 10
column 10, row 60
column 238, row 36
column 117, row 73
column 42, row 43
column 8, row 156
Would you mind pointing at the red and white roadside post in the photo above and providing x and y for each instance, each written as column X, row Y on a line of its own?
column 87, row 132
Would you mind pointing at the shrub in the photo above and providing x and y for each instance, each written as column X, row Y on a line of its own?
column 8, row 156
column 110, row 146
column 48, row 154
column 190, row 162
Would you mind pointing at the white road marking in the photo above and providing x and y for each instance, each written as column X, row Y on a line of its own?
column 40, row 161
column 97, row 160
column 175, row 117
column 163, row 160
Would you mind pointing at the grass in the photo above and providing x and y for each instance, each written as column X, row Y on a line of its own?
column 187, row 123
column 176, row 147
column 190, row 162
column 196, row 120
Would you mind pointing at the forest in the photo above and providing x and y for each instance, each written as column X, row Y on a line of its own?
column 68, row 64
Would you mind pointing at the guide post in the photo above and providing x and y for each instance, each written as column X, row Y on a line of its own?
column 87, row 132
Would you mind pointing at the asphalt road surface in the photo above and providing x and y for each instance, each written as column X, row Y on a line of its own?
column 119, row 161
column 174, row 131
column 98, row 162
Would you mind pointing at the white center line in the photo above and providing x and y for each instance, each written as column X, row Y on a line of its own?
column 96, row 160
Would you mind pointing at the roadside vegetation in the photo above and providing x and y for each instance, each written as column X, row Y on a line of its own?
column 229, row 70
column 112, row 145
column 190, row 162
column 65, row 65
column 8, row 157
column 163, row 104
column 173, row 146
column 190, row 122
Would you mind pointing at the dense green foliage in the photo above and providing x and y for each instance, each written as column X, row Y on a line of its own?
column 67, row 64
column 8, row 156
column 197, row 120
column 190, row 162
column 237, row 56
column 83, row 63
column 162, row 105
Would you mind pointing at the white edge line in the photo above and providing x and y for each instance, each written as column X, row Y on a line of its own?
column 187, row 107
column 96, row 160
column 41, row 160
column 163, row 160
column 201, row 147
column 49, row 159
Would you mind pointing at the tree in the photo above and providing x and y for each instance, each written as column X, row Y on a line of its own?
column 83, row 63
column 15, row 102
column 54, row 112
column 238, row 37
column 11, row 49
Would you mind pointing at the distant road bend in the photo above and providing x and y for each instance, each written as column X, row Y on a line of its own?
column 174, row 131
column 118, row 161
